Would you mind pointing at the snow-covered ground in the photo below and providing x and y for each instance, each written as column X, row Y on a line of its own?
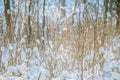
column 31, row 64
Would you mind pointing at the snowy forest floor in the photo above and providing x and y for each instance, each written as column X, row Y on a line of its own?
column 31, row 64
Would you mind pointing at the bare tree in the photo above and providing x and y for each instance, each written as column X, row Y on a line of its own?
column 74, row 11
column 95, row 37
column 105, row 19
column 62, row 14
column 29, row 22
column 43, row 25
column 106, row 10
column 13, row 11
column 62, row 8
column 118, row 14
column 38, row 27
column 8, row 19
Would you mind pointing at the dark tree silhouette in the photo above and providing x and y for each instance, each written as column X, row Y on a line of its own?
column 29, row 23
column 8, row 19
column 43, row 25
column 118, row 14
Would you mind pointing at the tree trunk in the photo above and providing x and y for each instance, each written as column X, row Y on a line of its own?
column 13, row 11
column 43, row 25
column 95, row 38
column 62, row 8
column 8, row 20
column 118, row 15
column 74, row 12
column 38, row 27
column 29, row 23
column 105, row 18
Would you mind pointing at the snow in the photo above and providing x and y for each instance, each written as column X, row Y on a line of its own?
column 10, row 47
column 13, row 78
column 115, row 76
column 5, row 57
column 38, row 41
column 49, row 66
